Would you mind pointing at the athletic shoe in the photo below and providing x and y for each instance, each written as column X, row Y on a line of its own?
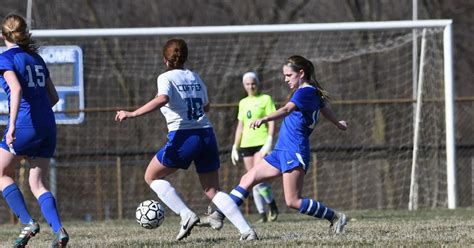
column 60, row 238
column 263, row 218
column 249, row 235
column 27, row 231
column 338, row 223
column 187, row 225
column 273, row 212
column 215, row 220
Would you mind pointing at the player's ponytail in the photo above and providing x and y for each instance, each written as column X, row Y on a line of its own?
column 175, row 51
column 14, row 30
column 297, row 63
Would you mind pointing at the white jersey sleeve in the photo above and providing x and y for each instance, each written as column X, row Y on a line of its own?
column 187, row 98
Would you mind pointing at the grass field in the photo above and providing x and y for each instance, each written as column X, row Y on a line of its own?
column 429, row 228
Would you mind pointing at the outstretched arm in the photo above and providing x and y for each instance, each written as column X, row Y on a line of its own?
column 329, row 114
column 280, row 113
column 157, row 102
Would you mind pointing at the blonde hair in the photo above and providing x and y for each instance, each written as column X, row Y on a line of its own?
column 15, row 30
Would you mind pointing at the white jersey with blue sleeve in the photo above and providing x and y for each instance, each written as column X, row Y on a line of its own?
column 187, row 98
column 299, row 124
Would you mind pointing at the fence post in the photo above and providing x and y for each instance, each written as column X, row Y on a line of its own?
column 119, row 188
column 53, row 177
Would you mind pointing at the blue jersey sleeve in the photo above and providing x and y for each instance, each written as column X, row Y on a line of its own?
column 6, row 64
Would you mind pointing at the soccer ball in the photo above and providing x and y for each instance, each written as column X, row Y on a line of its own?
column 150, row 214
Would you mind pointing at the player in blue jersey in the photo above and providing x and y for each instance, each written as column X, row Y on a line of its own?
column 290, row 157
column 183, row 100
column 31, row 129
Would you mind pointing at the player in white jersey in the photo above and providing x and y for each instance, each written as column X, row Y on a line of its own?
column 182, row 98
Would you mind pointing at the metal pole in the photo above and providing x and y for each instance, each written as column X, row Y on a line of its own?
column 450, row 118
column 413, row 201
column 28, row 13
column 414, row 54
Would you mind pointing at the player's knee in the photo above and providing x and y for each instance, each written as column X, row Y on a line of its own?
column 148, row 179
column 210, row 192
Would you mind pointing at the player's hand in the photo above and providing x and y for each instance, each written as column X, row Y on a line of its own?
column 267, row 146
column 342, row 125
column 122, row 115
column 257, row 123
column 234, row 156
column 10, row 137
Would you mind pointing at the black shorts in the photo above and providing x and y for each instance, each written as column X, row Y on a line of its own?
column 249, row 151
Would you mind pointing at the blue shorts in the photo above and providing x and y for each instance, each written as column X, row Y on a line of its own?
column 185, row 146
column 285, row 161
column 32, row 142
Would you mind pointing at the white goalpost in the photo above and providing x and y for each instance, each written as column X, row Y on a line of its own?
column 393, row 156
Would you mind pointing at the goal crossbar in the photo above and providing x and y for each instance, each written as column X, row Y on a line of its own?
column 270, row 28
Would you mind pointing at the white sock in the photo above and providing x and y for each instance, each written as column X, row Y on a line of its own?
column 258, row 199
column 168, row 196
column 231, row 211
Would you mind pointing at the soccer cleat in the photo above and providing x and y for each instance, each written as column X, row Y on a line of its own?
column 27, row 231
column 263, row 218
column 60, row 238
column 187, row 225
column 338, row 223
column 215, row 220
column 249, row 235
column 273, row 212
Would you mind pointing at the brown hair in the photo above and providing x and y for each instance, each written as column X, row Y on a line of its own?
column 14, row 30
column 175, row 51
column 297, row 63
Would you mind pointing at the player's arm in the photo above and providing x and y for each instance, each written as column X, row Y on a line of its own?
column 157, row 102
column 329, row 115
column 52, row 93
column 15, row 96
column 280, row 113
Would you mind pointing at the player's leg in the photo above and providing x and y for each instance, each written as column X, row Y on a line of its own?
column 14, row 198
column 47, row 202
column 257, row 197
column 225, row 204
column 265, row 191
column 10, row 191
column 262, row 171
column 154, row 177
column 293, row 181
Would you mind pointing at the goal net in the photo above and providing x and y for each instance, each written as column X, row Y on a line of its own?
column 99, row 164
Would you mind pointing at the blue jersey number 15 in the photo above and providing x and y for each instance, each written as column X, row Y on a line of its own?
column 36, row 76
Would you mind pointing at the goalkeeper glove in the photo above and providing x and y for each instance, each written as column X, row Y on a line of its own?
column 234, row 155
column 267, row 146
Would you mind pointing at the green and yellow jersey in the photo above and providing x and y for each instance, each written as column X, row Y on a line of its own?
column 252, row 108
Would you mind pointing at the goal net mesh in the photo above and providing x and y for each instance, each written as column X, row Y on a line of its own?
column 100, row 163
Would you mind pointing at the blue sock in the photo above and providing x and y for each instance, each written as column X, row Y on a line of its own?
column 16, row 202
column 49, row 210
column 316, row 209
column 238, row 194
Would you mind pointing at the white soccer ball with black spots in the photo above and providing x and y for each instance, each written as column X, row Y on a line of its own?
column 150, row 214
